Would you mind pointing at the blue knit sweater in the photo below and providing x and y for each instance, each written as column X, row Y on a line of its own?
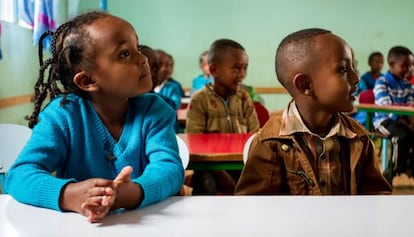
column 72, row 141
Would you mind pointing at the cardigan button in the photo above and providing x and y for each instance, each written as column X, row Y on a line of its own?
column 285, row 147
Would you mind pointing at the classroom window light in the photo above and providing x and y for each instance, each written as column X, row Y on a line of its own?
column 8, row 10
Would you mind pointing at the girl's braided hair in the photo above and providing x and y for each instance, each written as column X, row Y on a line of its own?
column 71, row 52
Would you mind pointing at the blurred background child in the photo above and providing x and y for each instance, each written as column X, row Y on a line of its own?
column 205, row 78
column 394, row 89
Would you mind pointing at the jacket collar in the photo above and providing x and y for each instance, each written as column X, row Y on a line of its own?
column 292, row 123
column 276, row 126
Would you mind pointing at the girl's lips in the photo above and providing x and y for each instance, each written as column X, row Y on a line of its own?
column 144, row 76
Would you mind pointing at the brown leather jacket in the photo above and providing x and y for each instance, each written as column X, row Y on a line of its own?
column 208, row 113
column 278, row 165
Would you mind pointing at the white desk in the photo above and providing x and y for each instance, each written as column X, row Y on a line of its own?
column 256, row 216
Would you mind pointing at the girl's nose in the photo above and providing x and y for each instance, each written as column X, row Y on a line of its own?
column 354, row 78
column 141, row 58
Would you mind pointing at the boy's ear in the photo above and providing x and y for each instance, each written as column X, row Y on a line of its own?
column 84, row 81
column 302, row 83
column 213, row 68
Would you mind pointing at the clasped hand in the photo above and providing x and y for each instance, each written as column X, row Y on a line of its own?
column 95, row 197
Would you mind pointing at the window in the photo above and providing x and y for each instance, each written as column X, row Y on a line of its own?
column 8, row 10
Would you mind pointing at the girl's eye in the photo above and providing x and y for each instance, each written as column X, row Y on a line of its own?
column 124, row 54
column 343, row 70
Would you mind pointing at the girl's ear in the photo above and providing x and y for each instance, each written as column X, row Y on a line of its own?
column 84, row 82
column 302, row 83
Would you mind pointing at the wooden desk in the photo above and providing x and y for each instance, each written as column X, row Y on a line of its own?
column 202, row 216
column 220, row 151
column 185, row 101
column 372, row 108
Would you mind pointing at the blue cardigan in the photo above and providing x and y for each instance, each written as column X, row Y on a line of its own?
column 72, row 141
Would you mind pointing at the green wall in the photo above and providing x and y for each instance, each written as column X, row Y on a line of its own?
column 185, row 28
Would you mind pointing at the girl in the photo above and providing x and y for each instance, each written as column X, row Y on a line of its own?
column 100, row 133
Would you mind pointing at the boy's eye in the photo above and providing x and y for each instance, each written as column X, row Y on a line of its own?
column 124, row 54
column 236, row 69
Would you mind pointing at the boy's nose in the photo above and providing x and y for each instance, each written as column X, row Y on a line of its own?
column 242, row 73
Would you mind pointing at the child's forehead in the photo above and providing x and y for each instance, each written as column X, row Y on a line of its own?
column 402, row 59
column 377, row 57
column 112, row 28
column 230, row 55
column 332, row 46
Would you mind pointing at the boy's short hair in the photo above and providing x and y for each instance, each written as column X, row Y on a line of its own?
column 374, row 54
column 396, row 52
column 292, row 50
column 218, row 47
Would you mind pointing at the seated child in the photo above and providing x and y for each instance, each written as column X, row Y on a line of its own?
column 368, row 79
column 205, row 78
column 390, row 89
column 311, row 148
column 410, row 75
column 101, row 134
column 167, row 86
column 222, row 107
column 367, row 82
column 154, row 67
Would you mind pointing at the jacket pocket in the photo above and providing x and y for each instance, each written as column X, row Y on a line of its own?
column 299, row 182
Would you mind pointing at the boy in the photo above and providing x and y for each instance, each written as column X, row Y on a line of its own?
column 222, row 107
column 375, row 62
column 311, row 147
column 203, row 79
column 390, row 89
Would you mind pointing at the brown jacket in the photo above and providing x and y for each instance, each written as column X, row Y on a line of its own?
column 208, row 113
column 271, row 155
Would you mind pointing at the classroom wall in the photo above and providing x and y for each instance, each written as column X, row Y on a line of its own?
column 185, row 28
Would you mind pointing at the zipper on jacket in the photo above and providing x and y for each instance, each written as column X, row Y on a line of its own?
column 302, row 174
column 226, row 106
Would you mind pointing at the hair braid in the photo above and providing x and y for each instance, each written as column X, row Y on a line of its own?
column 71, row 52
column 42, row 37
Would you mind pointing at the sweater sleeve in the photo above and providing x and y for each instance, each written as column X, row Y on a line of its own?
column 29, row 180
column 164, row 174
column 381, row 98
